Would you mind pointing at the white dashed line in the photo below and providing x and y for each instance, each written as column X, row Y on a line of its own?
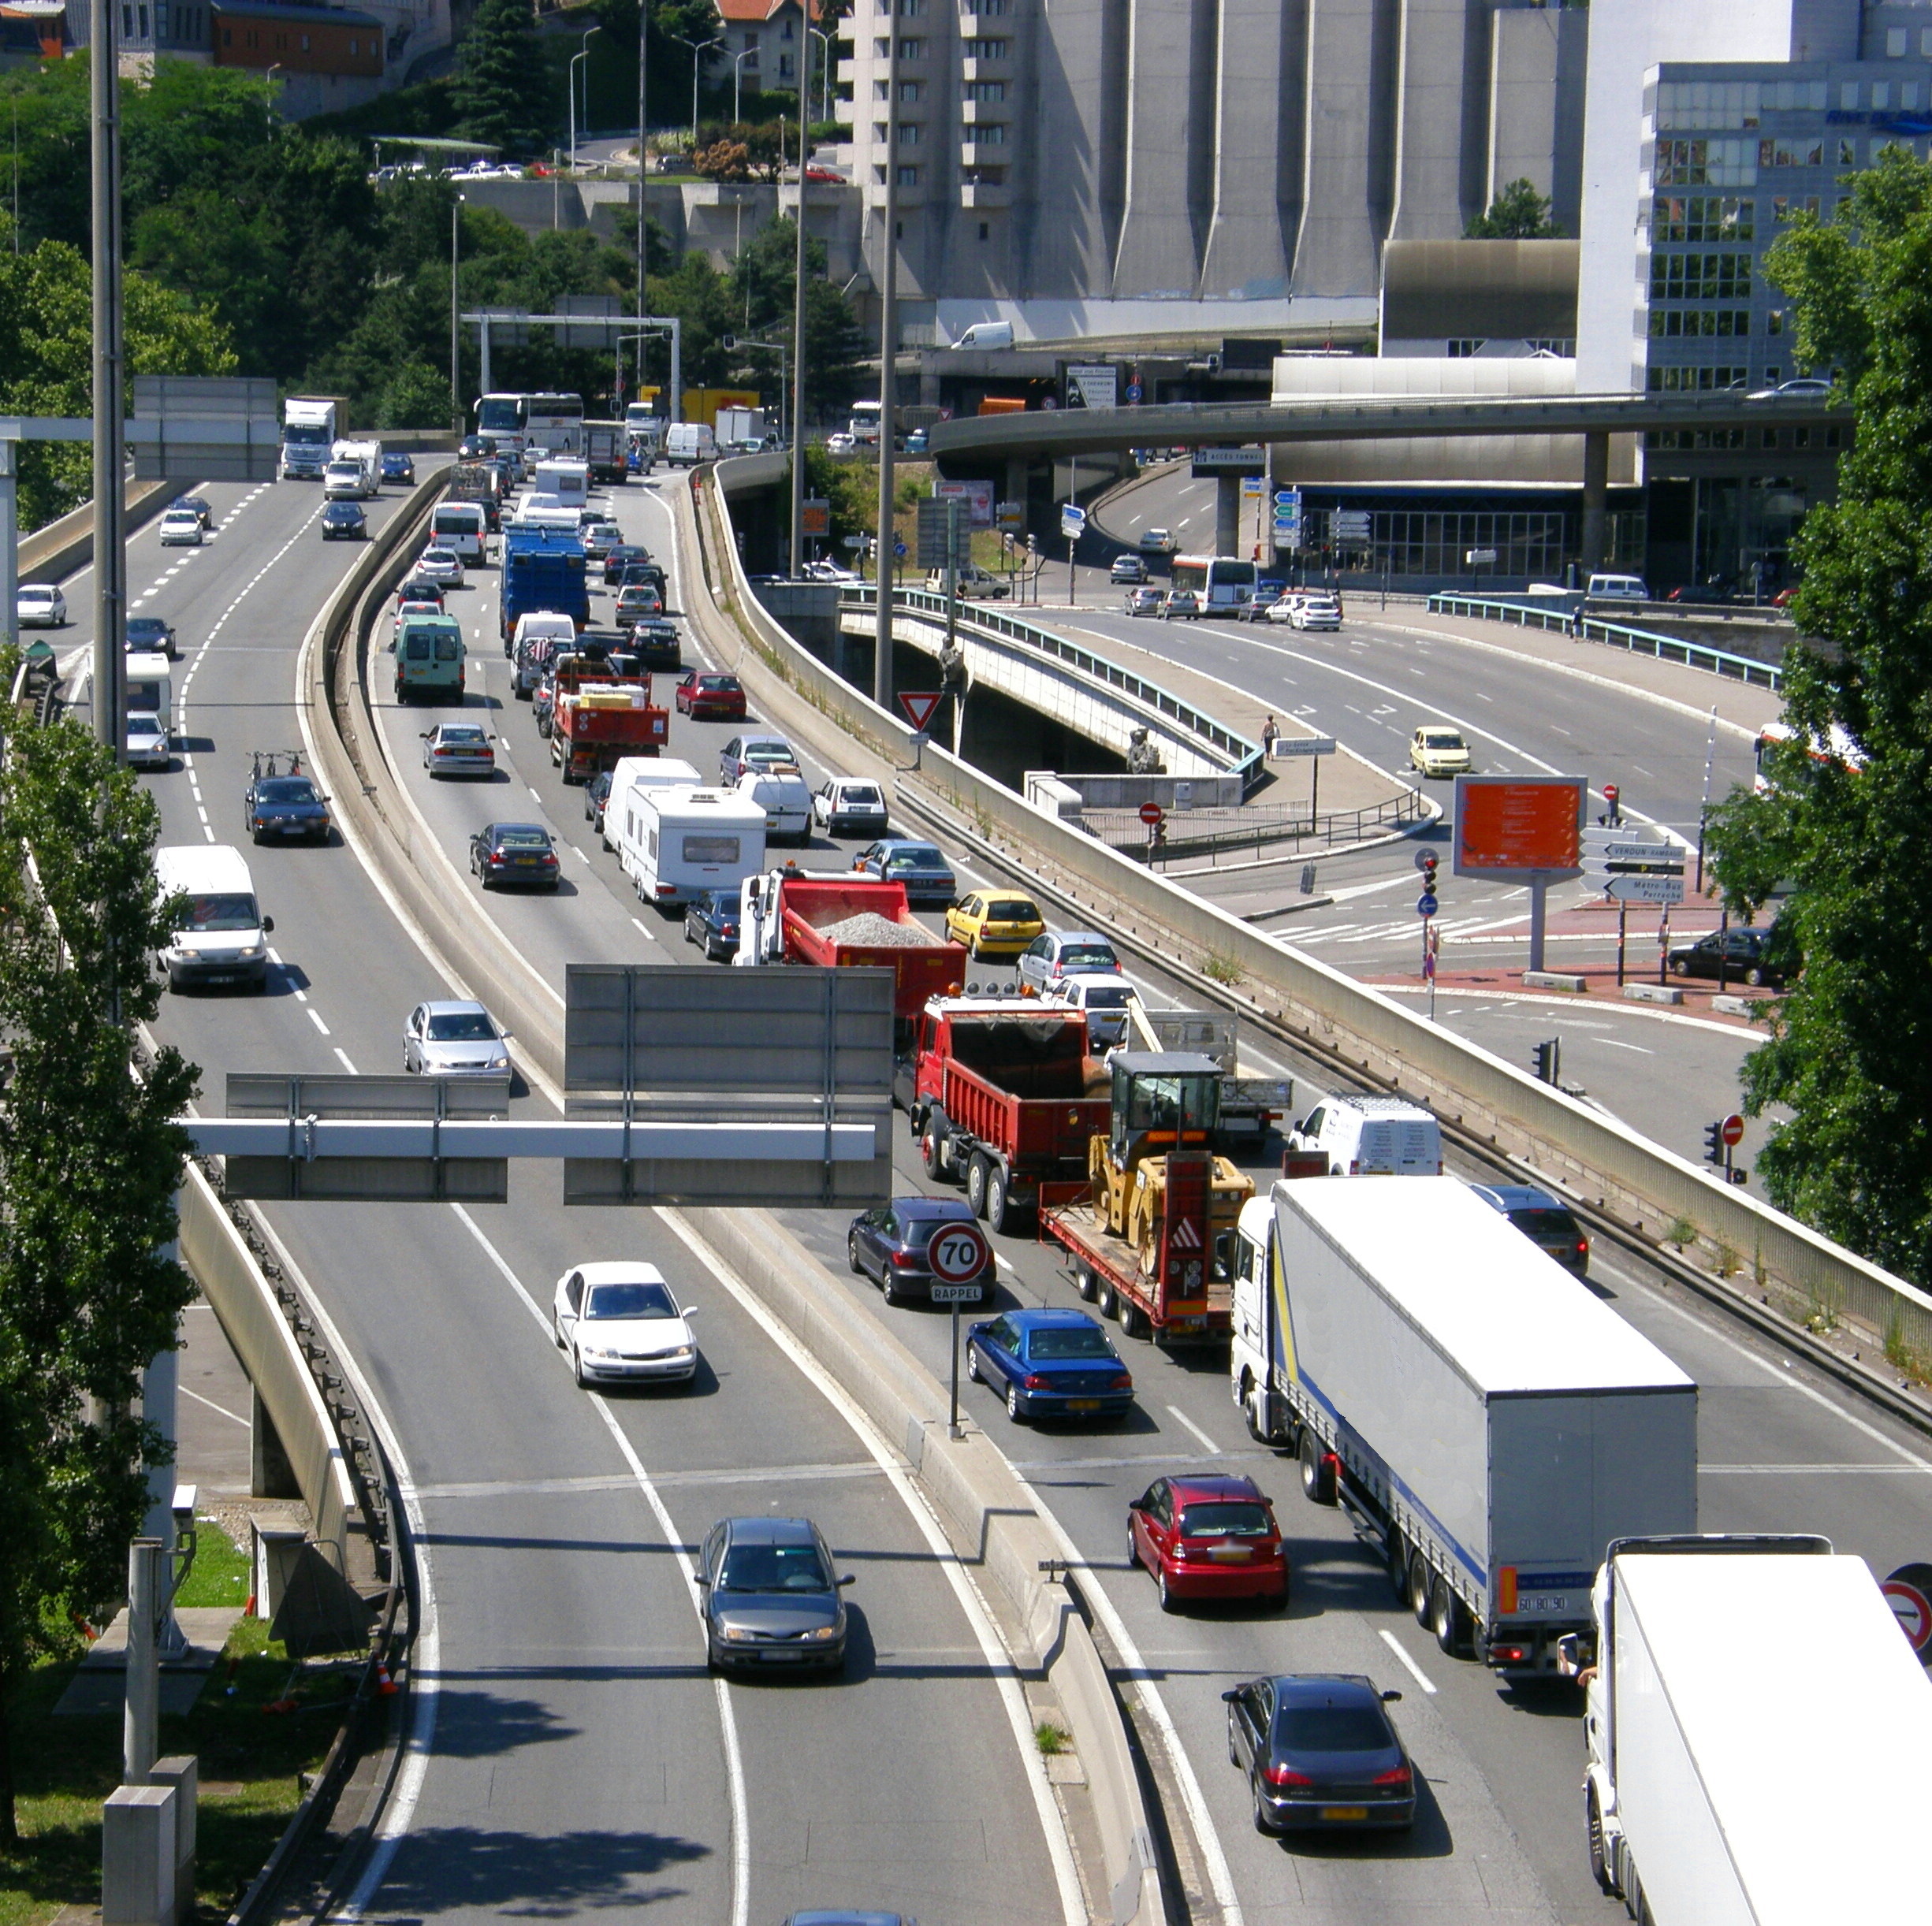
column 1414, row 1670
column 1174, row 1411
column 314, row 1016
column 343, row 1056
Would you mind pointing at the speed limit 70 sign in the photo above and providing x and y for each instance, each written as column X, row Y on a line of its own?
column 957, row 1253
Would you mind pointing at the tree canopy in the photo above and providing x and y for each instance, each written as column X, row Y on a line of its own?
column 1518, row 212
column 1843, row 828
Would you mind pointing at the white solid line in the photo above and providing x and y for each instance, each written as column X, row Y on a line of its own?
column 314, row 1016
column 1174, row 1411
column 234, row 1417
column 734, row 1763
column 1415, row 1671
column 344, row 1055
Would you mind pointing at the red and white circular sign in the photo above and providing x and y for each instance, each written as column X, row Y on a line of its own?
column 1150, row 813
column 958, row 1253
column 1908, row 1592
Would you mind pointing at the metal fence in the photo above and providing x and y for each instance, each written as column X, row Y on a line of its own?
column 1232, row 833
column 1616, row 634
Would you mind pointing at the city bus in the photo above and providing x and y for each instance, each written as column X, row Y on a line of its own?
column 1224, row 583
column 1773, row 736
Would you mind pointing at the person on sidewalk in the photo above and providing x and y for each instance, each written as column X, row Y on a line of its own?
column 1269, row 732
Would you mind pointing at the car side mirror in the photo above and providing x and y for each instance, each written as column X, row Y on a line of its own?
column 1228, row 1698
column 1390, row 1698
column 688, row 1311
column 1137, row 1504
column 849, row 1578
column 268, row 926
column 701, row 1582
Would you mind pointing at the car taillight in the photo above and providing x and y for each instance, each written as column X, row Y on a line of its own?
column 1508, row 1655
column 1123, row 1382
column 1583, row 1247
column 907, row 1260
column 1355, row 1167
column 1399, row 1777
column 1282, row 1775
column 1036, row 1381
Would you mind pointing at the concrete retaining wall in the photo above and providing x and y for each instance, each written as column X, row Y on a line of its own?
column 51, row 554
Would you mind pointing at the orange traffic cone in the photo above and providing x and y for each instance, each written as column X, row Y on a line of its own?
column 385, row 1685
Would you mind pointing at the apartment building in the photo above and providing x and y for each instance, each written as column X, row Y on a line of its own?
column 763, row 45
column 1125, row 166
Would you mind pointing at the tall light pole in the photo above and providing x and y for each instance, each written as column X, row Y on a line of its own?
column 455, row 324
column 824, row 79
column 888, row 378
column 583, row 53
column 274, row 67
column 797, row 320
column 737, row 75
column 110, row 554
column 697, row 48
column 643, row 163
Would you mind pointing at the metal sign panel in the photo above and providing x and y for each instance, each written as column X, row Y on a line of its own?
column 1511, row 826
column 1248, row 461
column 796, row 1029
column 1285, row 747
column 1097, row 386
column 368, row 1180
column 935, row 522
column 1638, row 888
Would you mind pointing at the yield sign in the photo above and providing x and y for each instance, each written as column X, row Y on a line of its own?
column 919, row 706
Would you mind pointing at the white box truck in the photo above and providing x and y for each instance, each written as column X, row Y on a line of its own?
column 676, row 845
column 1480, row 1413
column 567, row 482
column 1756, row 1733
column 308, row 433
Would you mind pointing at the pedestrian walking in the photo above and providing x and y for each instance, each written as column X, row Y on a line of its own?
column 1269, row 732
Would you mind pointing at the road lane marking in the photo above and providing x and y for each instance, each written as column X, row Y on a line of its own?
column 314, row 1016
column 343, row 1057
column 1174, row 1411
column 1415, row 1671
column 234, row 1417
column 614, row 1481
column 1812, row 1470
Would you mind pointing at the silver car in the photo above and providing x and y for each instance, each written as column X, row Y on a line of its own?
column 453, row 1038
column 148, row 747
column 39, row 605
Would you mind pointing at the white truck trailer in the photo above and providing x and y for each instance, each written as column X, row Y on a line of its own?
column 1756, row 1729
column 1486, row 1419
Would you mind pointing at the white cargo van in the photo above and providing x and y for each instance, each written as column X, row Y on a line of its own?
column 688, row 842
column 540, row 625
column 786, row 802
column 568, row 480
column 461, row 527
column 633, row 776
column 1617, row 588
column 987, row 334
column 222, row 938
column 1372, row 1136
column 689, row 443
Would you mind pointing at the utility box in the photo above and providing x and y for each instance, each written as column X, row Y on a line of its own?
column 137, row 1827
column 182, row 1772
column 276, row 1552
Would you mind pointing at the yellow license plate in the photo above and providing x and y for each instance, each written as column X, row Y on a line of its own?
column 1345, row 1812
column 1083, row 1404
column 1231, row 1554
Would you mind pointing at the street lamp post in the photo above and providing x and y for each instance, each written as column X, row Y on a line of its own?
column 798, row 317
column 888, row 376
column 697, row 48
column 582, row 53
column 737, row 75
column 824, row 76
column 456, row 325
column 274, row 67
column 643, row 158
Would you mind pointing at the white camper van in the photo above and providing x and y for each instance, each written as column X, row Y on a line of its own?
column 568, row 480
column 677, row 844
column 223, row 938
column 633, row 776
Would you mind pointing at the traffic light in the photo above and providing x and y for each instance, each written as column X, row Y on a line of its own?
column 1428, row 875
column 1548, row 1058
column 1713, row 1144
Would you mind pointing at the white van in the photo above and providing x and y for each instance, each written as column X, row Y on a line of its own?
column 688, row 842
column 223, row 938
column 150, row 685
column 568, row 480
column 461, row 527
column 987, row 334
column 539, row 625
column 1617, row 588
column 1372, row 1136
column 782, row 795
column 633, row 776
column 689, row 443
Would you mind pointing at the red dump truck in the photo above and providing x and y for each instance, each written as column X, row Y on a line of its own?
column 839, row 919
column 1004, row 1096
column 600, row 716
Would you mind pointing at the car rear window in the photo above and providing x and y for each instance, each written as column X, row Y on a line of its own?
column 1225, row 1518
column 1089, row 953
column 1109, row 998
column 1012, row 909
column 1332, row 1728
column 1068, row 1342
column 1542, row 1224
column 918, row 859
column 855, row 792
column 719, row 685
column 522, row 840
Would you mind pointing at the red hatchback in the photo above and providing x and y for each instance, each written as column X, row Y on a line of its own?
column 1208, row 1538
column 705, row 696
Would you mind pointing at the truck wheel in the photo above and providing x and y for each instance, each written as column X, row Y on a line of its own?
column 1593, row 1826
column 1084, row 1286
column 929, row 1153
column 1420, row 1580
column 1318, row 1477
column 977, row 1172
column 1132, row 1321
column 1447, row 1619
column 1107, row 1302
column 1397, row 1566
column 1001, row 1215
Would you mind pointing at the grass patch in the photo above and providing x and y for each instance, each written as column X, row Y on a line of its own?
column 1680, row 1230
column 1052, row 1739
column 1218, row 967
column 251, row 1759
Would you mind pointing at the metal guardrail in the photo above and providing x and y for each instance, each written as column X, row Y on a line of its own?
column 1243, row 757
column 1616, row 634
column 1191, row 834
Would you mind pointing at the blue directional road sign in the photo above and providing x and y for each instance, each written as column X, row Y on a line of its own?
column 1427, row 905
column 1134, row 390
column 898, row 548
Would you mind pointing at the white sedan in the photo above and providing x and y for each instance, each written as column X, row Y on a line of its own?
column 39, row 605
column 441, row 566
column 453, row 1038
column 618, row 1323
column 180, row 528
column 842, row 443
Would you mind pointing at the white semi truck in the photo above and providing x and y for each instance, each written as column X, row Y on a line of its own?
column 308, row 434
column 1483, row 1416
column 1756, row 1729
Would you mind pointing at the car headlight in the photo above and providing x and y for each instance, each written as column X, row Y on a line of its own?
column 189, row 956
column 677, row 1353
column 600, row 1352
column 252, row 950
column 738, row 1634
column 501, row 1062
column 821, row 1634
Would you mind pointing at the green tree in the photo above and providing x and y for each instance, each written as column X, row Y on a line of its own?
column 90, row 1158
column 416, row 395
column 505, row 87
column 763, row 278
column 1518, row 212
column 1850, row 1050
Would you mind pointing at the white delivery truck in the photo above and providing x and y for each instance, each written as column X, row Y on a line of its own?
column 1478, row 1410
column 1755, row 1734
column 308, row 433
column 676, row 845
column 633, row 776
column 741, row 428
column 569, row 481
column 689, row 443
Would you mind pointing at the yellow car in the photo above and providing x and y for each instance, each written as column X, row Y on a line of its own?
column 994, row 926
column 1437, row 749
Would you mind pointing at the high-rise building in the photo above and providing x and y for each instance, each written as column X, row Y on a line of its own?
column 1125, row 167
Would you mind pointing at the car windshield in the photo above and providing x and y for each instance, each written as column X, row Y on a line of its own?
column 141, row 722
column 522, row 840
column 142, row 625
column 1332, row 1728
column 1011, row 909
column 285, row 789
column 1232, row 1517
column 224, row 912
column 1441, row 739
column 774, row 1568
column 461, row 1026
column 1541, row 1224
column 630, row 1300
column 1070, row 1340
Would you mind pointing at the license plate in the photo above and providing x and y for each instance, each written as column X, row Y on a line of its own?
column 1083, row 1404
column 1230, row 1554
column 1345, row 1812
column 523, row 860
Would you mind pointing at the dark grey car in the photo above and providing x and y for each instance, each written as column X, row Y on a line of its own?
column 770, row 1596
column 890, row 1244
column 1319, row 1751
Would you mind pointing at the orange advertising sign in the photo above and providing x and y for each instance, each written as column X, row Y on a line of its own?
column 1513, row 825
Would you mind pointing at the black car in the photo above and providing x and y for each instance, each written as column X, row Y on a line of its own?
column 633, row 573
column 398, row 468
column 596, row 798
column 770, row 1596
column 711, row 922
column 1544, row 1220
column 197, row 506
column 1747, row 955
column 656, row 644
column 618, row 557
column 476, row 448
column 889, row 1245
column 343, row 521
column 1319, row 1751
column 514, row 853
column 150, row 634
column 285, row 808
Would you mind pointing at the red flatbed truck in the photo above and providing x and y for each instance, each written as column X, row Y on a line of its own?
column 599, row 717
column 1003, row 1095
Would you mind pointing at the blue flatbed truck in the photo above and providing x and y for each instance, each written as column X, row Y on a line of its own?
column 543, row 569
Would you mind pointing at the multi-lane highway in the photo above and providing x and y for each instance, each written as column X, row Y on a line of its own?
column 578, row 1756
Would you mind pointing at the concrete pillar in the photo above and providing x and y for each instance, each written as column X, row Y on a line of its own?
column 182, row 1771
column 270, row 1473
column 1596, row 499
column 1017, row 466
column 1228, row 515
column 138, row 1828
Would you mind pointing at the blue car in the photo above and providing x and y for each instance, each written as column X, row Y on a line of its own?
column 1049, row 1363
column 398, row 468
